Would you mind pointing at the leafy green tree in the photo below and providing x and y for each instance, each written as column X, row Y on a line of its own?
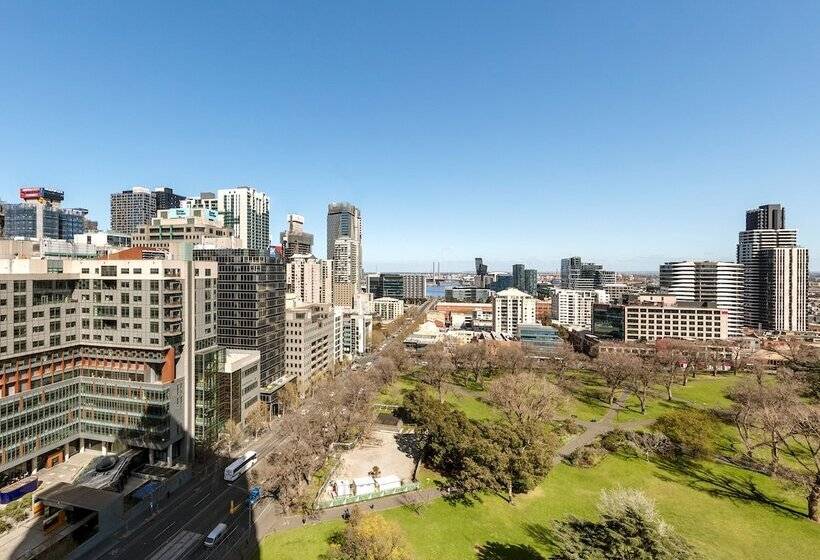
column 694, row 431
column 629, row 528
column 516, row 456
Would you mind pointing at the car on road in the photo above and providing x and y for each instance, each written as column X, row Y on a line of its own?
column 215, row 535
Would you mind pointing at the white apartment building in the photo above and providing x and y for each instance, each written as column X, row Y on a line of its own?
column 243, row 209
column 715, row 282
column 785, row 285
column 309, row 344
column 345, row 271
column 511, row 308
column 662, row 316
column 310, row 279
column 573, row 308
column 388, row 309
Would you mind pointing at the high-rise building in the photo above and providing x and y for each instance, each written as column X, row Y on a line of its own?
column 719, row 283
column 345, row 221
column 412, row 288
column 785, row 285
column 40, row 216
column 250, row 304
column 573, row 308
column 482, row 279
column 131, row 209
column 247, row 212
column 767, row 216
column 295, row 240
column 310, row 279
column 345, row 273
column 166, row 198
column 518, row 277
column 772, row 296
column 578, row 275
column 119, row 345
column 512, row 308
column 531, row 281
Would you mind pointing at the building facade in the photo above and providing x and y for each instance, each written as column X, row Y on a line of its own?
column 512, row 308
column 309, row 344
column 131, row 209
column 251, row 306
column 720, row 283
column 295, row 240
column 785, row 274
column 573, row 308
column 93, row 352
column 654, row 317
column 578, row 275
column 310, row 279
column 41, row 216
column 766, row 231
column 388, row 309
column 344, row 220
column 247, row 212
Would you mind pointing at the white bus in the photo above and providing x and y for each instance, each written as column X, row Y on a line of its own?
column 239, row 466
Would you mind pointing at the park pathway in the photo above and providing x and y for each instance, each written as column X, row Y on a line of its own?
column 598, row 428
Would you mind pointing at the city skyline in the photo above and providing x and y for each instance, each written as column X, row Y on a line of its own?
column 572, row 107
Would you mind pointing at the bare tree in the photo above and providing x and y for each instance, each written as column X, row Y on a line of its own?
column 386, row 369
column 526, row 397
column 397, row 352
column 641, row 376
column 438, row 369
column 802, row 442
column 668, row 362
column 615, row 369
column 760, row 413
column 476, row 359
column 739, row 355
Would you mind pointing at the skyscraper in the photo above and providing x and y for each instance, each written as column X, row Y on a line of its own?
column 531, row 281
column 775, row 281
column 720, row 283
column 247, row 212
column 40, row 216
column 345, row 220
column 295, row 240
column 518, row 277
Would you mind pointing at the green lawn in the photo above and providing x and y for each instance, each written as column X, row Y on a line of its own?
column 469, row 404
column 727, row 513
column 704, row 391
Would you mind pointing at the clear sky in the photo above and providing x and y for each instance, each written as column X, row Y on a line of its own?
column 625, row 132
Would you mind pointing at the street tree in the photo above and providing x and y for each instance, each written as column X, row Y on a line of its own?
column 258, row 418
column 231, row 436
column 369, row 537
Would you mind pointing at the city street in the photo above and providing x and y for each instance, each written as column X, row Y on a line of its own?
column 206, row 501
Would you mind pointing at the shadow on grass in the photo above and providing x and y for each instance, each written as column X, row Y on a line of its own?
column 541, row 534
column 735, row 486
column 504, row 551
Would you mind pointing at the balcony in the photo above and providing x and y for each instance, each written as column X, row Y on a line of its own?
column 172, row 286
column 172, row 300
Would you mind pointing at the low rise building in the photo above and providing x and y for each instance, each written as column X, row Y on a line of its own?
column 541, row 337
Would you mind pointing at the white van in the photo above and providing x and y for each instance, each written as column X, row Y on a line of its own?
column 216, row 535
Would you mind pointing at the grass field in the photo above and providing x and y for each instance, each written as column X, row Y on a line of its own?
column 463, row 400
column 727, row 513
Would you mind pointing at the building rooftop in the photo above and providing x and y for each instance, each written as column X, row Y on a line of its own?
column 513, row 292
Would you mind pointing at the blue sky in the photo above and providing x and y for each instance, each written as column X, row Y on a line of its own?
column 626, row 132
